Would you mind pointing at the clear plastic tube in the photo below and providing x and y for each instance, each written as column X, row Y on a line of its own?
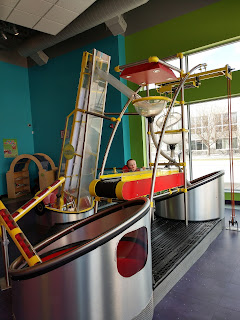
column 117, row 84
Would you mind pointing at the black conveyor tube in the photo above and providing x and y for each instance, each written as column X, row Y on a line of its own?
column 106, row 188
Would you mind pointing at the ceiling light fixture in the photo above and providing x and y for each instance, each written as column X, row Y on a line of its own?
column 15, row 30
column 3, row 35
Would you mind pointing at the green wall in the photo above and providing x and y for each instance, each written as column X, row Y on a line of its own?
column 236, row 196
column 205, row 26
column 217, row 22
column 53, row 90
column 15, row 115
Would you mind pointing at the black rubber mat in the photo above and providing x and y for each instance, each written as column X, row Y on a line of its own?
column 172, row 241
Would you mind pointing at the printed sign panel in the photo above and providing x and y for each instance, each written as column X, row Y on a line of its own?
column 10, row 148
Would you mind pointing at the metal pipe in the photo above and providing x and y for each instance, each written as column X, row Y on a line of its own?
column 5, row 242
column 189, row 130
column 132, row 64
column 173, row 161
column 63, row 143
column 147, row 126
column 167, row 164
column 125, row 114
column 96, row 114
column 117, row 84
column 169, row 65
column 112, row 136
column 149, row 145
column 184, row 149
column 117, row 168
column 189, row 142
column 162, row 133
column 115, row 129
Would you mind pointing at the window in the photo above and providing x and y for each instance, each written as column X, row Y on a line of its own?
column 217, row 57
column 210, row 145
column 132, row 252
column 198, row 145
column 219, row 144
column 224, row 143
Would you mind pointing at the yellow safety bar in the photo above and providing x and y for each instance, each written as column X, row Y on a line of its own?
column 9, row 222
column 36, row 199
column 173, row 131
column 131, row 176
column 18, row 236
column 201, row 76
column 152, row 98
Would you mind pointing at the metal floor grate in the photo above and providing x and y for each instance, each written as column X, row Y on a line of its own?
column 172, row 241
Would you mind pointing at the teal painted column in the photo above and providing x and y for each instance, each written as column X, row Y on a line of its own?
column 124, row 99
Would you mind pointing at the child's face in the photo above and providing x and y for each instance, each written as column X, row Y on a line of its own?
column 132, row 165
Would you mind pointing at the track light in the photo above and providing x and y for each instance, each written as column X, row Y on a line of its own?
column 15, row 30
column 3, row 35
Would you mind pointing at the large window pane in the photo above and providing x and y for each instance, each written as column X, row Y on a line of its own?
column 210, row 145
column 217, row 57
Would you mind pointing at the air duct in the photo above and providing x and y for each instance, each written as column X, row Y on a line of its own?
column 40, row 58
column 99, row 12
column 117, row 25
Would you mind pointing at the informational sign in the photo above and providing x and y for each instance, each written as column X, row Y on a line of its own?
column 10, row 148
column 68, row 151
column 62, row 134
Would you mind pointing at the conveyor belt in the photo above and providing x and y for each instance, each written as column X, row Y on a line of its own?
column 172, row 241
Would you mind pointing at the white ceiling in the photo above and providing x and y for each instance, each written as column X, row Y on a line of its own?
column 49, row 16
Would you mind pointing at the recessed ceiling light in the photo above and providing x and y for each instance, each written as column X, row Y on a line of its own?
column 127, row 77
column 15, row 30
column 156, row 71
column 3, row 35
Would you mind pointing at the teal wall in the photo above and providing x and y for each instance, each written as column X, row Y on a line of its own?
column 15, row 115
column 53, row 90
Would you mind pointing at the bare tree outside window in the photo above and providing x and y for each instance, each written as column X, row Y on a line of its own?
column 210, row 126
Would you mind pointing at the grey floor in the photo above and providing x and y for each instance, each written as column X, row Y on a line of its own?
column 209, row 290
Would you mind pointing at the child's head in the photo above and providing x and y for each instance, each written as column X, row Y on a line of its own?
column 131, row 164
